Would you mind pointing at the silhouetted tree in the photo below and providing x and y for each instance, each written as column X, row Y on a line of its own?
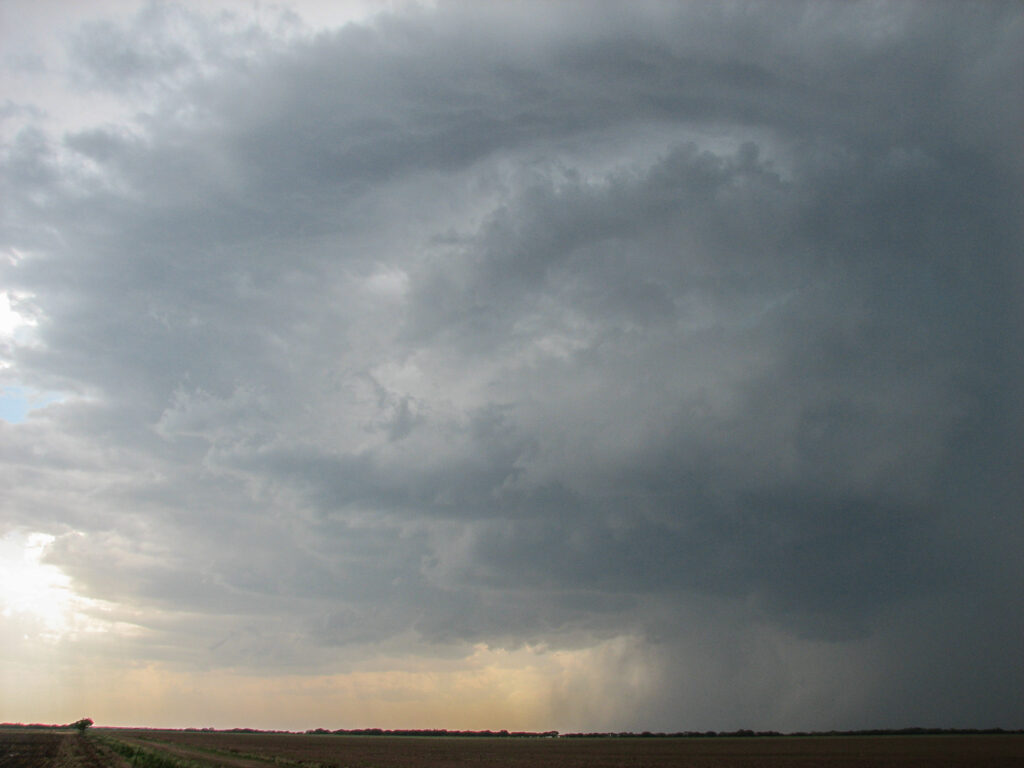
column 82, row 724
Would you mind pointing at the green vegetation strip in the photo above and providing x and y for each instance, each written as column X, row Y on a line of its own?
column 176, row 762
column 272, row 759
column 140, row 757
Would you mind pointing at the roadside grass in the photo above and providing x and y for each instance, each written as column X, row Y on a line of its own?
column 141, row 757
column 285, row 762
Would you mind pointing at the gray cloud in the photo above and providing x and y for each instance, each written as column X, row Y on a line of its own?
column 700, row 325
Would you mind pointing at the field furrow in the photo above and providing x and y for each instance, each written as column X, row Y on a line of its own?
column 123, row 748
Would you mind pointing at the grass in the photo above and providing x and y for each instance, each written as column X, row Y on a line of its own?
column 141, row 757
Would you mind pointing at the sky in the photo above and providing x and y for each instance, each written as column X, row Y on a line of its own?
column 527, row 365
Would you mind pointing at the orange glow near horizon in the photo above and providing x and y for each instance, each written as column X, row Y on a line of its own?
column 490, row 689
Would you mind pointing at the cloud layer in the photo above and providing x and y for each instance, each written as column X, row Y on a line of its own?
column 677, row 345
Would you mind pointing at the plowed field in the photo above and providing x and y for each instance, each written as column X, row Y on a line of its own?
column 53, row 749
column 229, row 750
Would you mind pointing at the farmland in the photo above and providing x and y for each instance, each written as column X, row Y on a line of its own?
column 195, row 749
column 53, row 749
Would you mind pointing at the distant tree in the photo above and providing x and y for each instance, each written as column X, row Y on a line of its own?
column 82, row 724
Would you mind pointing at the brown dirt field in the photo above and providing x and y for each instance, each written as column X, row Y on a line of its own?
column 29, row 749
column 996, row 751
column 53, row 749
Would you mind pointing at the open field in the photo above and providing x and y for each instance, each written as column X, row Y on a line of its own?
column 28, row 748
column 177, row 749
column 252, row 750
column 53, row 749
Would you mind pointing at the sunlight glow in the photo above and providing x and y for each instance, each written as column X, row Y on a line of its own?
column 10, row 319
column 39, row 595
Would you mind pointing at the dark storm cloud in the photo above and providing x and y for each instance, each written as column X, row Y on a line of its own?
column 480, row 324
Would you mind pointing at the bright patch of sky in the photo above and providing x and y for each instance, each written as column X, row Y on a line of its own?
column 11, row 321
column 39, row 595
column 16, row 402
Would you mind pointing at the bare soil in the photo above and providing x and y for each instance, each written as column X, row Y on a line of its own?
column 53, row 749
column 29, row 749
column 329, row 751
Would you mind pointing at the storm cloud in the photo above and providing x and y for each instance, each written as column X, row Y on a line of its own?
column 679, row 339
